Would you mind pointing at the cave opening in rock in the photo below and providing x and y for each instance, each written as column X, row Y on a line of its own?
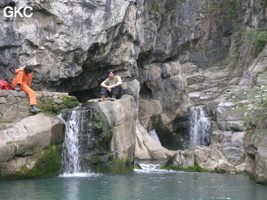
column 85, row 95
column 145, row 92
column 178, row 138
column 173, row 136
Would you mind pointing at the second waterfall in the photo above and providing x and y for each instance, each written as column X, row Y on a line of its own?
column 199, row 127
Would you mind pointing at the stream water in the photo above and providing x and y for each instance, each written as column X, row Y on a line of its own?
column 148, row 183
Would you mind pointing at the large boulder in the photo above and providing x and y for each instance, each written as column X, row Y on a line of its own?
column 113, row 135
column 147, row 148
column 230, row 144
column 121, row 116
column 24, row 146
column 202, row 158
column 256, row 160
column 130, row 139
column 149, row 111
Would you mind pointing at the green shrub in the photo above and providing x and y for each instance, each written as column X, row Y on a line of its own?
column 259, row 42
column 256, row 109
column 195, row 168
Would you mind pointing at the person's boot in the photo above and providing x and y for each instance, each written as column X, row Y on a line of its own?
column 102, row 98
column 113, row 98
column 17, row 88
column 34, row 108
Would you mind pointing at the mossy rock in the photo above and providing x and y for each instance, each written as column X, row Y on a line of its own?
column 195, row 168
column 48, row 163
column 70, row 101
column 116, row 166
column 48, row 105
column 104, row 133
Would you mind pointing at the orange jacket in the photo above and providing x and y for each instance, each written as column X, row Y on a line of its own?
column 22, row 78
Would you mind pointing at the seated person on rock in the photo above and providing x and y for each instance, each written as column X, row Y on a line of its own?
column 22, row 81
column 112, row 86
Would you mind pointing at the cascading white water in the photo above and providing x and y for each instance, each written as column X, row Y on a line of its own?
column 199, row 127
column 75, row 125
column 71, row 161
column 154, row 136
column 78, row 142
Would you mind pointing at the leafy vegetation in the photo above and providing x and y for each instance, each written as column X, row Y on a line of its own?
column 256, row 108
column 256, row 40
column 48, row 164
column 259, row 41
column 232, row 8
column 224, row 8
column 195, row 168
column 50, row 106
column 105, row 132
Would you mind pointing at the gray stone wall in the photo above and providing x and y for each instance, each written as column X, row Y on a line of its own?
column 14, row 105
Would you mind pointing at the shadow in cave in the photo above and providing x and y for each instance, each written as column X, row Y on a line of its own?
column 145, row 92
column 178, row 138
column 84, row 95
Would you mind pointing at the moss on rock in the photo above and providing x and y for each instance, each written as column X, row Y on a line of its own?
column 44, row 164
column 105, row 132
column 116, row 166
column 195, row 168
column 48, row 162
column 52, row 105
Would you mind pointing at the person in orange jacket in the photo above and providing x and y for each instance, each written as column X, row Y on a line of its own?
column 23, row 81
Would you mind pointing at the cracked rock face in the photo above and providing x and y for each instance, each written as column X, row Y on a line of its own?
column 60, row 37
column 72, row 43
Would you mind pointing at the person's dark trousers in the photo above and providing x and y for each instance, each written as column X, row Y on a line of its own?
column 114, row 91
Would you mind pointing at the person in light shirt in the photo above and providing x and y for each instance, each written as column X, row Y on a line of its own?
column 111, row 86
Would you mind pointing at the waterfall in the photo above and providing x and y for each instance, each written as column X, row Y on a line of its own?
column 77, row 135
column 154, row 136
column 199, row 127
column 152, row 168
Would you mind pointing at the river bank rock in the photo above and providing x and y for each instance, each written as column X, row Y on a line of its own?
column 148, row 149
column 230, row 144
column 255, row 144
column 30, row 146
column 202, row 158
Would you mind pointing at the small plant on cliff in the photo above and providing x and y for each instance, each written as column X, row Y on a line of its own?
column 224, row 8
column 258, row 40
column 256, row 109
column 233, row 8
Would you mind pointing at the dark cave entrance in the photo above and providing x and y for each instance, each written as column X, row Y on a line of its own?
column 176, row 140
column 84, row 95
